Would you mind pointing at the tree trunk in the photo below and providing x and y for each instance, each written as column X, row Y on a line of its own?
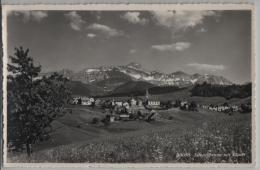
column 28, row 149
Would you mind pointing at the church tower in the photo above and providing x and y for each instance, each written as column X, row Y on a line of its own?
column 147, row 95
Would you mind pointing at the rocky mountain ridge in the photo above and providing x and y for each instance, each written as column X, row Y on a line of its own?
column 105, row 76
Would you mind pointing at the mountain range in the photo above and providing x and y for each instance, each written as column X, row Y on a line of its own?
column 111, row 78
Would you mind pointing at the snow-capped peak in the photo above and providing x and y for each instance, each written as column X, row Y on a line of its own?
column 135, row 72
column 134, row 65
column 90, row 70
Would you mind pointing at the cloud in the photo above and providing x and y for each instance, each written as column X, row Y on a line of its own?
column 91, row 35
column 179, row 46
column 76, row 21
column 180, row 20
column 132, row 51
column 105, row 30
column 32, row 15
column 202, row 29
column 207, row 67
column 134, row 18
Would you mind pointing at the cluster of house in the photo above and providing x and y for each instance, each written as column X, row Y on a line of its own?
column 221, row 108
column 225, row 108
column 139, row 114
column 82, row 100
column 89, row 101
column 185, row 105
column 122, row 109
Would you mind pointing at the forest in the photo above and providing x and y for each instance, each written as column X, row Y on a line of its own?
column 227, row 91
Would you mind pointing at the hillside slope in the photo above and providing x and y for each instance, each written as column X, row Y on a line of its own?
column 132, row 88
column 79, row 88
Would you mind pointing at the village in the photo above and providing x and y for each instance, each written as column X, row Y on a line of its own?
column 143, row 108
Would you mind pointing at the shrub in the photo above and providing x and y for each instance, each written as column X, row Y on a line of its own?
column 106, row 120
column 95, row 120
column 170, row 117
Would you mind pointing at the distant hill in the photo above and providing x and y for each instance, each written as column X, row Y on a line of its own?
column 114, row 79
column 164, row 89
column 79, row 88
column 138, row 88
column 131, row 88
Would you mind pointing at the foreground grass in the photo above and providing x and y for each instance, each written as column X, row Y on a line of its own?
column 226, row 140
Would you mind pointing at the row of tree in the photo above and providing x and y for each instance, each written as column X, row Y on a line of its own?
column 227, row 91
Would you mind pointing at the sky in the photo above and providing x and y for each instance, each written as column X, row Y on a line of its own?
column 205, row 42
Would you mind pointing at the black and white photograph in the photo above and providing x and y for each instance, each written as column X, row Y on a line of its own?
column 153, row 85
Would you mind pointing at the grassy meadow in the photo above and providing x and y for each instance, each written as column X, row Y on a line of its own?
column 175, row 137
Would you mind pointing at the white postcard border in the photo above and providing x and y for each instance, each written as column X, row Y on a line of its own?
column 127, row 7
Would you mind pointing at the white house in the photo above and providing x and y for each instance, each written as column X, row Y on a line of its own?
column 75, row 100
column 92, row 99
column 154, row 103
column 140, row 103
column 124, row 117
column 97, row 102
column 126, row 105
column 183, row 103
column 133, row 102
column 235, row 108
column 119, row 103
column 87, row 101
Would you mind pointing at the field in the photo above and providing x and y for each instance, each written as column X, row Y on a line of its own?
column 175, row 136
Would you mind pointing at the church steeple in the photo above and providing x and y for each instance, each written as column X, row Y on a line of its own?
column 147, row 95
